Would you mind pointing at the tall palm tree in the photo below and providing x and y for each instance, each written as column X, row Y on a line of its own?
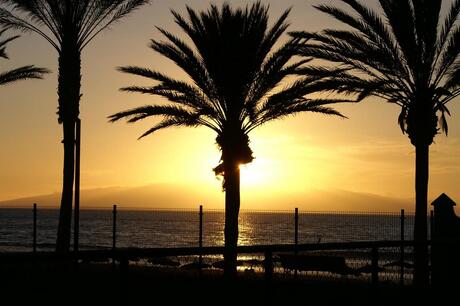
column 17, row 74
column 69, row 26
column 408, row 57
column 236, row 76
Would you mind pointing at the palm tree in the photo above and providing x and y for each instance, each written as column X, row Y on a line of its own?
column 21, row 73
column 236, row 75
column 408, row 57
column 69, row 26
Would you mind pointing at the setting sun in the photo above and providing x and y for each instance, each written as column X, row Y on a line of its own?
column 256, row 173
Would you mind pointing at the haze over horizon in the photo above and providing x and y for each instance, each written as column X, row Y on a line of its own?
column 166, row 196
column 366, row 154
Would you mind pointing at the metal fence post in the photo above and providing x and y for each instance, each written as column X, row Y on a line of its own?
column 114, row 227
column 34, row 232
column 200, row 238
column 375, row 265
column 296, row 234
column 296, row 228
column 401, row 276
column 114, row 232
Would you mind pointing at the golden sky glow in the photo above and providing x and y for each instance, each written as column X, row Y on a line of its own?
column 295, row 157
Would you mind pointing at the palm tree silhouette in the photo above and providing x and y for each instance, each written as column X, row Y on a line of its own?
column 69, row 26
column 408, row 57
column 17, row 74
column 236, row 75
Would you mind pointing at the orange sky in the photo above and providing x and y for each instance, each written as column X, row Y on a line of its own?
column 365, row 154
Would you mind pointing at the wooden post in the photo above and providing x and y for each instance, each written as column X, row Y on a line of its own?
column 200, row 238
column 375, row 265
column 401, row 276
column 296, row 235
column 76, row 223
column 34, row 232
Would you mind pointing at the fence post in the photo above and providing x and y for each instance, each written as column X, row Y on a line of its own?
column 114, row 227
column 296, row 235
column 114, row 232
column 375, row 265
column 34, row 232
column 200, row 238
column 76, row 223
column 296, row 229
column 401, row 276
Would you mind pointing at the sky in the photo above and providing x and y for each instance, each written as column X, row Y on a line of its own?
column 297, row 158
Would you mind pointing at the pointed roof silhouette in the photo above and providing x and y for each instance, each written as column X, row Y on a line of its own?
column 443, row 199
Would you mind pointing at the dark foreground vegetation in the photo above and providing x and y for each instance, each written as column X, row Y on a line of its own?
column 93, row 284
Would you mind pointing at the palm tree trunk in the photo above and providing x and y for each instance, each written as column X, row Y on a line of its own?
column 69, row 99
column 421, row 274
column 65, row 213
column 232, row 209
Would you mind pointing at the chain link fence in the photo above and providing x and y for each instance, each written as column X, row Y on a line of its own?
column 185, row 228
column 181, row 228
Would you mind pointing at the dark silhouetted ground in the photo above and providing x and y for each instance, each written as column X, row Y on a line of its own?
column 99, row 284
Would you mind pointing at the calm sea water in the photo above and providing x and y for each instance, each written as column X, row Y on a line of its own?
column 161, row 228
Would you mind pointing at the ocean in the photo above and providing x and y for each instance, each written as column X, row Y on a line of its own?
column 180, row 228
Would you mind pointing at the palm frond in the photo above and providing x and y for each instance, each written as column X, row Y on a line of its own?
column 370, row 25
column 175, row 91
column 402, row 119
column 111, row 11
column 448, row 56
column 3, row 44
column 142, row 112
column 294, row 108
column 426, row 15
column 10, row 20
column 452, row 77
column 363, row 57
column 273, row 35
column 272, row 72
column 449, row 23
column 443, row 110
column 145, row 72
column 174, row 116
column 183, row 97
column 184, row 57
column 401, row 19
column 376, row 31
column 22, row 73
column 170, row 123
column 52, row 19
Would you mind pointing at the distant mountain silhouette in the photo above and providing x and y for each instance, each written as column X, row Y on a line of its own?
column 150, row 196
column 189, row 196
